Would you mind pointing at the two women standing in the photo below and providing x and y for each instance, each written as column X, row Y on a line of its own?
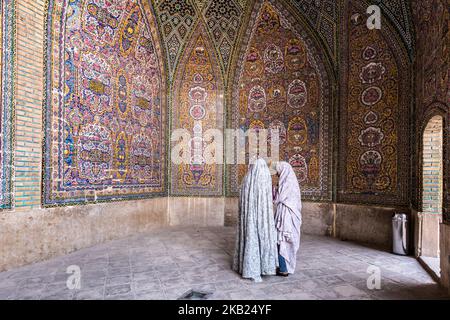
column 267, row 244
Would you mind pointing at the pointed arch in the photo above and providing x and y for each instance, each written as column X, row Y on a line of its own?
column 198, row 107
column 323, row 17
column 399, row 13
column 176, row 21
column 222, row 19
column 435, row 109
column 281, row 62
column 432, row 80
column 105, row 103
column 374, row 153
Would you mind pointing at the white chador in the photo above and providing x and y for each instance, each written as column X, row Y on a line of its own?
column 256, row 241
column 288, row 217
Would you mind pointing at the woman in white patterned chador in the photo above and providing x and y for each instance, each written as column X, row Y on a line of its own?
column 288, row 218
column 256, row 240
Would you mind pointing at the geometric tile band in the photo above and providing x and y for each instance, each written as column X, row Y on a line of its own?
column 7, row 51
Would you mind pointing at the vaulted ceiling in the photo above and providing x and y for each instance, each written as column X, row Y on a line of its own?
column 225, row 19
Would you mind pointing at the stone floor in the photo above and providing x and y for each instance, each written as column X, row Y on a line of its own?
column 166, row 263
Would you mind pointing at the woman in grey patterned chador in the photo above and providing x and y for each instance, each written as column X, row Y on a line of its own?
column 256, row 241
column 288, row 218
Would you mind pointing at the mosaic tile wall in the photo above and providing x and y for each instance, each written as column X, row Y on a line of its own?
column 399, row 14
column 432, row 20
column 198, row 107
column 7, row 50
column 374, row 145
column 105, row 107
column 176, row 20
column 222, row 20
column 323, row 15
column 106, row 128
column 281, row 82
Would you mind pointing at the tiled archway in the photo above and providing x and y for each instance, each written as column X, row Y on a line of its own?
column 432, row 194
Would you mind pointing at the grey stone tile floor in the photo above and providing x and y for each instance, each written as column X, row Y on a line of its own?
column 166, row 263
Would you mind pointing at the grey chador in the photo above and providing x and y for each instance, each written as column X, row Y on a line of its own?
column 256, row 241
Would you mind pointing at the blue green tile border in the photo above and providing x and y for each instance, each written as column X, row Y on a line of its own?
column 7, row 101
